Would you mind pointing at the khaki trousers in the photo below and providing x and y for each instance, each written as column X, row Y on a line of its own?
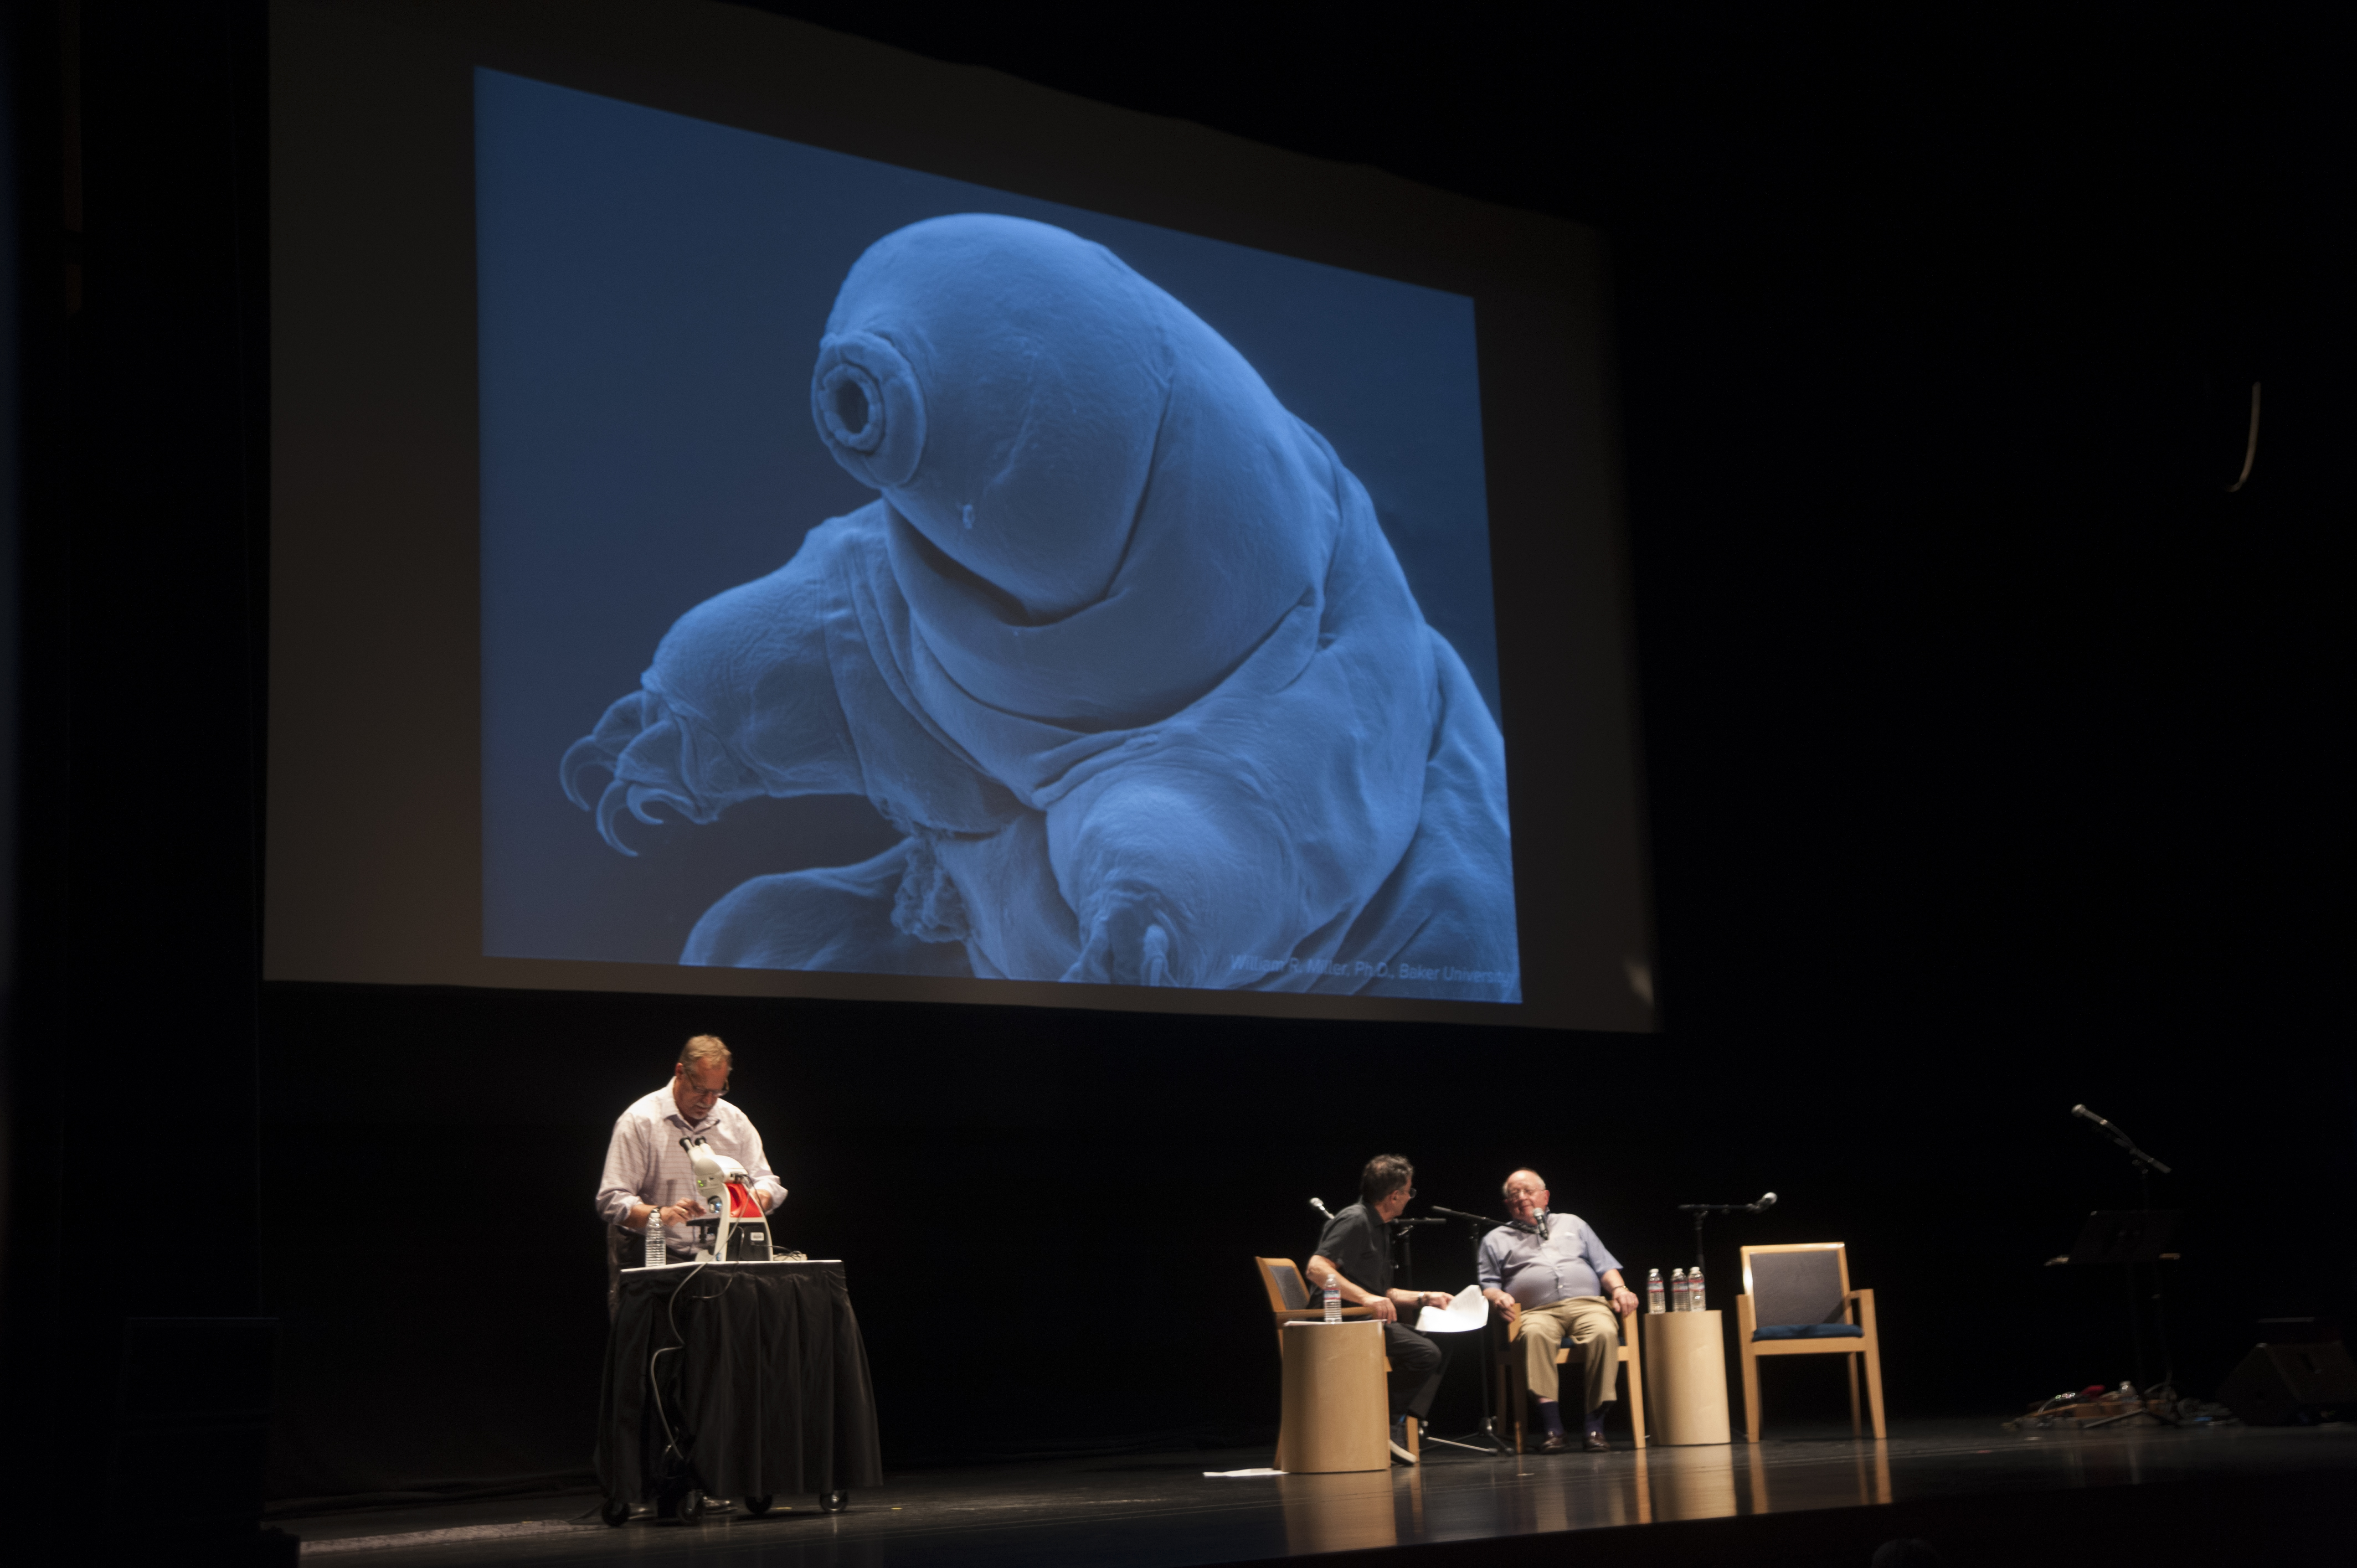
column 1593, row 1331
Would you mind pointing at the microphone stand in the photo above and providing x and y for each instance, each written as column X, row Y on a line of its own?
column 1704, row 1210
column 1483, row 1439
column 2145, row 1163
column 1403, row 1233
column 2145, row 1166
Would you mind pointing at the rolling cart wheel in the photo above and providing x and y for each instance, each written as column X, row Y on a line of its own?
column 759, row 1505
column 691, row 1506
column 615, row 1511
column 834, row 1502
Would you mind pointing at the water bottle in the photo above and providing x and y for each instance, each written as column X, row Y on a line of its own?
column 1653, row 1290
column 1333, row 1299
column 1693, row 1291
column 657, row 1256
column 1677, row 1290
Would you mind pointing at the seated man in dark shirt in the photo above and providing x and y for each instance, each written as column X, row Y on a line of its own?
column 1356, row 1248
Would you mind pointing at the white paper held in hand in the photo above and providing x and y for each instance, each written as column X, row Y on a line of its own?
column 1465, row 1311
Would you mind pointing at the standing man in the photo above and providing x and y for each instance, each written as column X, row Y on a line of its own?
column 646, row 1171
column 1551, row 1272
column 1356, row 1248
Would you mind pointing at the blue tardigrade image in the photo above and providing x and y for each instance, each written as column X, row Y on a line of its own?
column 1103, row 604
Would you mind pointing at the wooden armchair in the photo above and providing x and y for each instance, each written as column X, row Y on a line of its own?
column 1288, row 1301
column 1796, row 1301
column 1514, row 1397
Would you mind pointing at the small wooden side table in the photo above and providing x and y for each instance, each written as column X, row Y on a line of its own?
column 1334, row 1399
column 1685, row 1374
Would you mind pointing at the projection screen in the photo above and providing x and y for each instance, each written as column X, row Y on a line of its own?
column 759, row 513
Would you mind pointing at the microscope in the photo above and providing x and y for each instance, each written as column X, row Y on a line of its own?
column 736, row 1231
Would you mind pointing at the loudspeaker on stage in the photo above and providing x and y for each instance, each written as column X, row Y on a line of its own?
column 2279, row 1384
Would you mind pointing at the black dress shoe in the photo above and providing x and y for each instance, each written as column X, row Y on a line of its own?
column 1594, row 1442
column 1553, row 1443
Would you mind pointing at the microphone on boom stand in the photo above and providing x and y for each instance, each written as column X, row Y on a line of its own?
column 1487, row 1220
column 2135, row 1236
column 1487, row 1438
column 1766, row 1200
column 1320, row 1204
column 2144, row 1162
column 1702, row 1211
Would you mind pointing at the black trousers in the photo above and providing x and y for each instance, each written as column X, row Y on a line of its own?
column 1416, row 1364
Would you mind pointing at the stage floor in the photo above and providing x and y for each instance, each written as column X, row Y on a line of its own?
column 1721, row 1503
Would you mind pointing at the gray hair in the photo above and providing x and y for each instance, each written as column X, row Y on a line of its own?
column 1506, row 1187
column 704, row 1048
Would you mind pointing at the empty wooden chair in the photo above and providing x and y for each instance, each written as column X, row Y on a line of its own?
column 1796, row 1301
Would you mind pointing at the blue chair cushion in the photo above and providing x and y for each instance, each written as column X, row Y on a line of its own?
column 1810, row 1331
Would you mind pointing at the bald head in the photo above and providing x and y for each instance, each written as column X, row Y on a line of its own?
column 1527, row 1193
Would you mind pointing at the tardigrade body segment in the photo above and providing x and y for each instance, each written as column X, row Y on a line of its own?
column 1119, row 648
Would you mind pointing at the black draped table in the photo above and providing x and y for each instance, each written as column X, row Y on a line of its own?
column 753, row 1373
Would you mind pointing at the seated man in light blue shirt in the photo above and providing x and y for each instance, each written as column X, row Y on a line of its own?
column 1552, row 1274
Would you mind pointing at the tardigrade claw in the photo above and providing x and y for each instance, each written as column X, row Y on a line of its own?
column 1155, row 967
column 657, row 757
column 1128, row 943
column 602, row 747
column 609, row 816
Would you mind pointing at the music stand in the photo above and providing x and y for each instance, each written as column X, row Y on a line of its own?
column 2123, row 1238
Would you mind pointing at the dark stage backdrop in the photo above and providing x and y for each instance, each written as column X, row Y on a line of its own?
column 1989, row 772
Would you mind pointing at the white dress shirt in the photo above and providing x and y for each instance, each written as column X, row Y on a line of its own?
column 644, row 1163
